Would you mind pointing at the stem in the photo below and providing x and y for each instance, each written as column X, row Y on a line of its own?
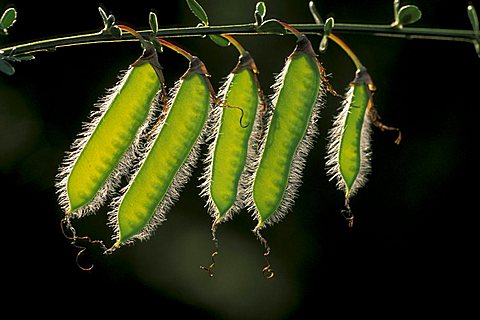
column 175, row 48
column 132, row 31
column 241, row 50
column 347, row 50
column 292, row 29
column 242, row 29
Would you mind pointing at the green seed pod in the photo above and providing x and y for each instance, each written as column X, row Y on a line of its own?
column 348, row 154
column 232, row 146
column 167, row 161
column 105, row 149
column 289, row 138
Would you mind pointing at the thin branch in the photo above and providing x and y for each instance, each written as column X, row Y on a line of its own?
column 242, row 29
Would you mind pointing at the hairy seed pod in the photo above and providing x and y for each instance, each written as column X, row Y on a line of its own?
column 291, row 129
column 168, row 159
column 105, row 149
column 348, row 150
column 231, row 150
column 348, row 154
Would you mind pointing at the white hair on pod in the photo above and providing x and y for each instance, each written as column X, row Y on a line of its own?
column 173, row 194
column 335, row 135
column 299, row 159
column 122, row 168
column 212, row 136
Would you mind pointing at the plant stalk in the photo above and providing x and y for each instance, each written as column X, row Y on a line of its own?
column 242, row 29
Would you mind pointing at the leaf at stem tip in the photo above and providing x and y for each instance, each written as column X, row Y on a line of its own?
column 116, row 32
column 261, row 9
column 272, row 26
column 409, row 14
column 110, row 22
column 6, row 68
column 472, row 15
column 8, row 18
column 323, row 44
column 329, row 25
column 153, row 21
column 218, row 40
column 477, row 47
column 103, row 14
column 396, row 8
column 198, row 11
column 313, row 10
column 20, row 58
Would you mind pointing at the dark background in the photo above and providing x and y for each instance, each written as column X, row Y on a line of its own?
column 412, row 251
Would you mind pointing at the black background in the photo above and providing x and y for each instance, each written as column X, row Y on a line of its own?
column 412, row 251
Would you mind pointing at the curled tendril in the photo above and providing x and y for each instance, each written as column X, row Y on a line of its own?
column 348, row 214
column 223, row 105
column 66, row 224
column 214, row 252
column 267, row 270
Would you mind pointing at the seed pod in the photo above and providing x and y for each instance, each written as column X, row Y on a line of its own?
column 291, row 129
column 167, row 161
column 105, row 149
column 348, row 155
column 348, row 151
column 234, row 136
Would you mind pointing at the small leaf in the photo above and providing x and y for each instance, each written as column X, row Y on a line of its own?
column 313, row 10
column 258, row 19
column 261, row 9
column 156, row 44
column 116, row 32
column 198, row 11
column 272, row 26
column 8, row 18
column 221, row 41
column 20, row 58
column 396, row 8
column 477, row 47
column 472, row 15
column 328, row 27
column 153, row 21
column 103, row 14
column 6, row 68
column 110, row 22
column 24, row 57
column 408, row 15
column 323, row 44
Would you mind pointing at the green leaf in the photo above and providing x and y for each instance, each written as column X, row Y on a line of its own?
column 323, row 44
column 198, row 11
column 272, row 26
column 156, row 44
column 221, row 41
column 313, row 10
column 110, row 22
column 8, row 18
column 477, row 47
column 408, row 15
column 153, row 21
column 116, row 32
column 20, row 58
column 6, row 68
column 261, row 9
column 396, row 8
column 260, row 12
column 104, row 16
column 472, row 15
column 328, row 27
